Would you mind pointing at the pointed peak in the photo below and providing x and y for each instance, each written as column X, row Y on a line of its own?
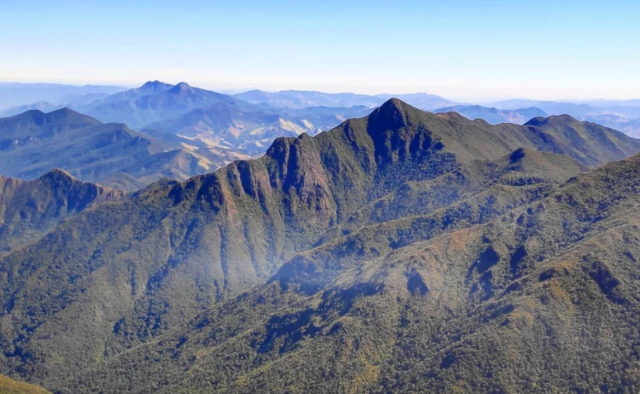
column 31, row 112
column 66, row 111
column 393, row 104
column 67, row 114
column 393, row 114
column 149, row 84
column 57, row 174
column 182, row 86
column 155, row 86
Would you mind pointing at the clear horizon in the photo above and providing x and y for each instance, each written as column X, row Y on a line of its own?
column 543, row 50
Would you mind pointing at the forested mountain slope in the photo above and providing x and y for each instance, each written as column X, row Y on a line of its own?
column 126, row 273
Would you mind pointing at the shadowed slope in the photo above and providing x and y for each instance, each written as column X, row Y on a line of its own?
column 30, row 209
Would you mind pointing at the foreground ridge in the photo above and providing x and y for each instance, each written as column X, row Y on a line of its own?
column 334, row 225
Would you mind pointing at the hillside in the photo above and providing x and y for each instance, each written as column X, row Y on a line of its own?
column 622, row 115
column 42, row 106
column 473, row 308
column 10, row 386
column 30, row 209
column 211, row 119
column 33, row 143
column 145, row 266
column 15, row 94
column 154, row 101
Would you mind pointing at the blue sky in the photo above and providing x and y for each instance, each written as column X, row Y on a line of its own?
column 456, row 48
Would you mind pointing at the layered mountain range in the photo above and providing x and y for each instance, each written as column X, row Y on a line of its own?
column 197, row 131
column 402, row 251
column 494, row 115
column 111, row 154
column 189, row 131
column 130, row 107
column 297, row 99
column 14, row 95
column 212, row 119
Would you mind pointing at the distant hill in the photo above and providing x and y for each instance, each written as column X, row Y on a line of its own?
column 33, row 143
column 622, row 115
column 297, row 99
column 211, row 119
column 152, row 102
column 42, row 106
column 423, row 101
column 187, row 131
column 14, row 94
column 151, row 276
column 494, row 115
column 250, row 129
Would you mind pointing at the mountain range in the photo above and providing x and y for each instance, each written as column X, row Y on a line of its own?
column 112, row 154
column 191, row 131
column 297, row 99
column 495, row 307
column 246, row 123
column 494, row 115
column 13, row 94
column 212, row 119
column 402, row 251
column 621, row 115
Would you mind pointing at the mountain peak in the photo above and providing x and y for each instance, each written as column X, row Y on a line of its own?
column 551, row 120
column 57, row 174
column 149, row 84
column 155, row 86
column 67, row 114
column 181, row 87
column 393, row 114
column 66, row 111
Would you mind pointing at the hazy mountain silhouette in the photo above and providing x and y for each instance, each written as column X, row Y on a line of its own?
column 33, row 143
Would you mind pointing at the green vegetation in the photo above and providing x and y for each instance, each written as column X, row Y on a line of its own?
column 10, row 386
column 30, row 209
column 404, row 251
column 541, row 299
column 111, row 154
